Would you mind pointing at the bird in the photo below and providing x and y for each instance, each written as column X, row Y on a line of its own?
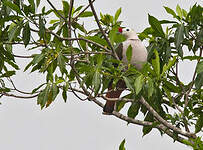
column 139, row 57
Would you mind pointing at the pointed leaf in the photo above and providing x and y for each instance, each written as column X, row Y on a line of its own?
column 129, row 53
column 156, row 26
column 156, row 63
column 139, row 84
column 179, row 11
column 64, row 94
column 86, row 14
column 199, row 123
column 26, row 34
column 179, row 35
column 133, row 110
column 96, row 81
column 146, row 129
column 8, row 74
column 199, row 81
column 118, row 12
column 170, row 11
column 38, row 2
column 168, row 66
column 128, row 83
column 66, row 8
column 12, row 6
column 150, row 87
column 122, row 145
column 199, row 68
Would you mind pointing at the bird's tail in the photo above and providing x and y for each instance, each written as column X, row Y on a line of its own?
column 109, row 106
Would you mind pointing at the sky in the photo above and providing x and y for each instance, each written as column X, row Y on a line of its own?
column 78, row 125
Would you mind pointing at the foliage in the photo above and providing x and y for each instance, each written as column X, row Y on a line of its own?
column 66, row 52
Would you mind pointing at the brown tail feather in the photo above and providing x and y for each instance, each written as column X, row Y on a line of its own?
column 109, row 106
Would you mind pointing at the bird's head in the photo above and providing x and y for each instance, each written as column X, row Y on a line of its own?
column 128, row 33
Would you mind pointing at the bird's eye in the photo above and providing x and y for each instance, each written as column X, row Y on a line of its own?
column 127, row 29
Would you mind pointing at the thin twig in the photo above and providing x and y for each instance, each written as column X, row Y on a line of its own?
column 17, row 96
column 10, row 80
column 57, row 11
column 22, row 56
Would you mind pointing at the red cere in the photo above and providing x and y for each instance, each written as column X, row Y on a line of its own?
column 120, row 30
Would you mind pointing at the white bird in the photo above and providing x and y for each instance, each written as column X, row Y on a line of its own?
column 139, row 57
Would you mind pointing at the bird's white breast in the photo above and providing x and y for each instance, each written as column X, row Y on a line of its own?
column 139, row 53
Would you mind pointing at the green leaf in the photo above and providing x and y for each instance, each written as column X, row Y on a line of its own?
column 171, row 87
column 120, row 105
column 129, row 53
column 150, row 87
column 122, row 145
column 26, row 34
column 96, row 81
column 12, row 33
column 179, row 35
column 166, row 67
column 38, row 2
column 199, row 68
column 199, row 81
column 41, row 27
column 179, row 11
column 199, row 123
column 146, row 129
column 12, row 6
column 37, row 58
column 66, row 8
column 134, row 109
column 118, row 12
column 55, row 91
column 79, row 27
column 78, row 9
column 8, row 74
column 61, row 62
column 64, row 93
column 86, row 14
column 43, row 96
column 156, row 63
column 170, row 11
column 139, row 84
column 34, row 90
column 128, row 83
column 156, row 26
column 97, row 40
column 32, row 3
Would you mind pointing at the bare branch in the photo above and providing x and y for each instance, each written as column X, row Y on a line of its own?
column 17, row 96
column 22, row 56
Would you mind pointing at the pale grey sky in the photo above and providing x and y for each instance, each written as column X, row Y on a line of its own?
column 77, row 125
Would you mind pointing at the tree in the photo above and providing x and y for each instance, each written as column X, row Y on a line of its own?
column 68, row 54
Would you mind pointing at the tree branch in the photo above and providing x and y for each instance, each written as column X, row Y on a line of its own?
column 56, row 11
column 164, row 122
column 17, row 96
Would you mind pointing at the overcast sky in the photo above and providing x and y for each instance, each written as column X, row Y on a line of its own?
column 77, row 125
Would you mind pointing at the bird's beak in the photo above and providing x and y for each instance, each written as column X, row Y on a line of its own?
column 120, row 30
